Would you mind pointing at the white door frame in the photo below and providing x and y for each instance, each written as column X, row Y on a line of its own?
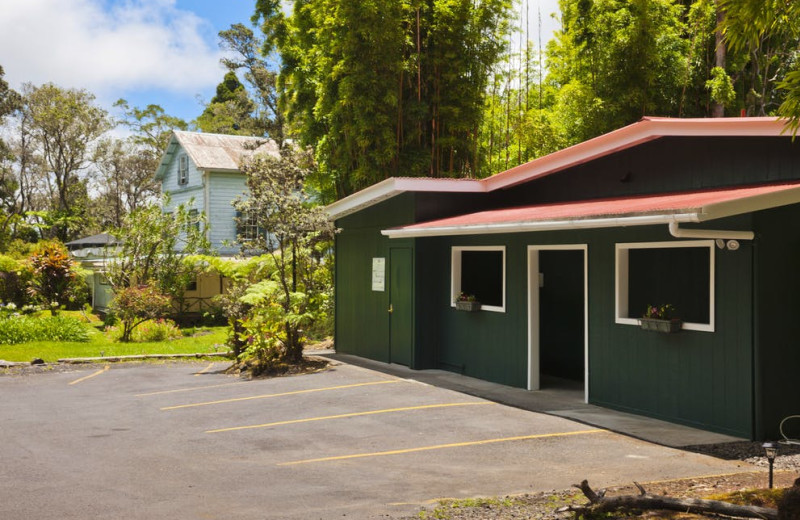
column 534, row 382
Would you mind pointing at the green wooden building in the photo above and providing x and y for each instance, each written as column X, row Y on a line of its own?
column 566, row 252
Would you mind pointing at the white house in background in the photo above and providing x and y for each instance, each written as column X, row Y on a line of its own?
column 199, row 167
column 205, row 167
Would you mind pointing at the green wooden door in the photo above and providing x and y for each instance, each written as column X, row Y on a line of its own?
column 401, row 327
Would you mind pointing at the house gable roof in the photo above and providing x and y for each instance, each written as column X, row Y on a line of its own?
column 216, row 152
column 647, row 129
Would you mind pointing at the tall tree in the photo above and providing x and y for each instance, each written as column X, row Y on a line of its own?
column 292, row 225
column 383, row 87
column 9, row 102
column 616, row 61
column 768, row 34
column 230, row 111
column 261, row 78
column 64, row 124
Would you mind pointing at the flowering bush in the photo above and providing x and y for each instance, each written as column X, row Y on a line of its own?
column 135, row 305
column 463, row 297
column 150, row 330
column 660, row 312
column 12, row 310
column 55, row 280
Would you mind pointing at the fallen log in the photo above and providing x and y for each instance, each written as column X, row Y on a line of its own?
column 599, row 503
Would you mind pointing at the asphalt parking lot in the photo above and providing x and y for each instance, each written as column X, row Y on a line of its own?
column 186, row 441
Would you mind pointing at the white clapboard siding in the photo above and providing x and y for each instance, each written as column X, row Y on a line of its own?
column 223, row 189
column 183, row 193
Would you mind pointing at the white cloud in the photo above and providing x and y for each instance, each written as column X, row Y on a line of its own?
column 107, row 47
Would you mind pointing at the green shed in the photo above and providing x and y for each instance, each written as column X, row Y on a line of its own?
column 565, row 255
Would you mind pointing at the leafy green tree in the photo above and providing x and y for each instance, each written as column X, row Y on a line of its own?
column 125, row 181
column 293, row 296
column 135, row 305
column 151, row 127
column 768, row 34
column 152, row 249
column 64, row 125
column 385, row 88
column 230, row 111
column 615, row 61
column 9, row 103
column 267, row 119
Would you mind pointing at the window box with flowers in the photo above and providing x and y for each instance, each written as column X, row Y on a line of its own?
column 467, row 302
column 661, row 318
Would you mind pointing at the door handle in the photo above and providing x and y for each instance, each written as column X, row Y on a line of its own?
column 391, row 309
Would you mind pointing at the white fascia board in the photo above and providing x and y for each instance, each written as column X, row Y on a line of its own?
column 637, row 133
column 394, row 186
column 544, row 225
column 751, row 204
column 167, row 157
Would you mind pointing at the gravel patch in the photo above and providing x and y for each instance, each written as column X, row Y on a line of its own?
column 544, row 505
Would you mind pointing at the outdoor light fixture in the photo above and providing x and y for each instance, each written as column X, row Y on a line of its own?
column 771, row 450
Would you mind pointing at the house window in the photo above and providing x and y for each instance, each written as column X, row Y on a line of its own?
column 194, row 219
column 247, row 227
column 192, row 285
column 678, row 273
column 481, row 272
column 183, row 170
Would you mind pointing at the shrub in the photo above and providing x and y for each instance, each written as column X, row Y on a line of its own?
column 13, row 278
column 150, row 330
column 24, row 329
column 55, row 279
column 135, row 305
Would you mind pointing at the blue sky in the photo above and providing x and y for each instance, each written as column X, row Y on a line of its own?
column 145, row 51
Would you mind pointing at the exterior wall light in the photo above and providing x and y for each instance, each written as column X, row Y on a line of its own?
column 771, row 451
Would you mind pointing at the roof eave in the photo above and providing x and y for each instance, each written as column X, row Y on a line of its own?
column 167, row 157
column 544, row 225
column 394, row 186
column 648, row 129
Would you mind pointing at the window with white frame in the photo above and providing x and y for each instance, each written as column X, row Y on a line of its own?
column 480, row 271
column 247, row 226
column 183, row 170
column 678, row 273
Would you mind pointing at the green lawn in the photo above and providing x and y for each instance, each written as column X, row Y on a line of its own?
column 205, row 340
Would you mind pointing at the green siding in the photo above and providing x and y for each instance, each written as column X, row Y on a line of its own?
column 362, row 317
column 666, row 165
column 777, row 300
column 697, row 378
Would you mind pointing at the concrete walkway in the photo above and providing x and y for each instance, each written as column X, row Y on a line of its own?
column 566, row 400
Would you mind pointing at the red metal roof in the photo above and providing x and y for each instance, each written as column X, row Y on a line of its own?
column 698, row 202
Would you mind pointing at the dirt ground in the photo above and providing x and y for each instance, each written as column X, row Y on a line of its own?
column 544, row 505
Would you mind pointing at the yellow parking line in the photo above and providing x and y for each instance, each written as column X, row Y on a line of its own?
column 177, row 390
column 104, row 369
column 354, row 414
column 438, row 447
column 267, row 396
column 206, row 369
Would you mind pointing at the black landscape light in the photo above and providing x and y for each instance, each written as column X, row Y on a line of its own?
column 771, row 451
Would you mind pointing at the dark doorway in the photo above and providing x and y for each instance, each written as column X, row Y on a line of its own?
column 561, row 314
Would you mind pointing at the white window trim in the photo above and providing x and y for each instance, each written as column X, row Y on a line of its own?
column 621, row 282
column 183, row 170
column 455, row 271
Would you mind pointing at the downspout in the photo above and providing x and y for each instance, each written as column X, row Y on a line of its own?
column 678, row 232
